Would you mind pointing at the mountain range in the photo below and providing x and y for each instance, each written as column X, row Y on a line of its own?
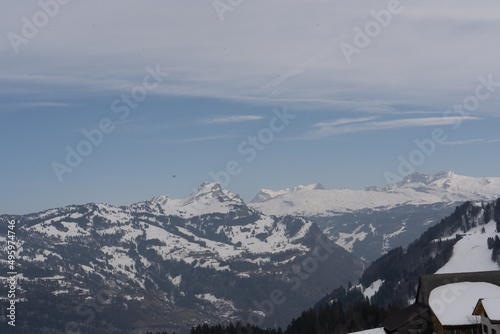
column 169, row 262
column 371, row 221
column 465, row 242
column 175, row 263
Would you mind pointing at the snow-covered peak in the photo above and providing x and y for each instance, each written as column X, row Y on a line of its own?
column 315, row 186
column 162, row 200
column 372, row 188
column 205, row 191
column 450, row 187
column 213, row 192
column 209, row 187
column 209, row 198
column 267, row 194
column 417, row 180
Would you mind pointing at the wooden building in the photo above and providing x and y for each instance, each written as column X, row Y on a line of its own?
column 414, row 319
column 448, row 304
column 488, row 309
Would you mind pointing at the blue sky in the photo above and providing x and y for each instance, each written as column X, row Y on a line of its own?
column 222, row 81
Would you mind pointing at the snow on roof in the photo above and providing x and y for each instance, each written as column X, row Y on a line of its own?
column 454, row 303
column 379, row 330
column 492, row 308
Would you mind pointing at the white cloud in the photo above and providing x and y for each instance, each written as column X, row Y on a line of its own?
column 428, row 56
column 343, row 121
column 189, row 140
column 343, row 126
column 232, row 119
column 38, row 104
column 472, row 141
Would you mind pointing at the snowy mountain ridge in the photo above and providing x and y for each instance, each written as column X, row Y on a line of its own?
column 415, row 189
column 205, row 258
column 266, row 194
column 372, row 221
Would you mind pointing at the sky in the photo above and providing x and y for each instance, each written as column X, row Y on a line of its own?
column 118, row 101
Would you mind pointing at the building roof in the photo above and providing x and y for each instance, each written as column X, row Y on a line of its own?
column 427, row 283
column 403, row 316
column 491, row 307
column 379, row 330
column 453, row 304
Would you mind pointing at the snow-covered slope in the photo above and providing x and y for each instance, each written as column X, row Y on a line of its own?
column 415, row 189
column 312, row 203
column 211, row 221
column 471, row 253
column 370, row 291
column 204, row 258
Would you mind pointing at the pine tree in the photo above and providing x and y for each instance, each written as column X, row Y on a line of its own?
column 496, row 214
column 487, row 213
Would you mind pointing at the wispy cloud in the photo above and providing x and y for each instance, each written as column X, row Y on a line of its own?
column 313, row 71
column 189, row 140
column 39, row 104
column 472, row 141
column 232, row 119
column 343, row 121
column 342, row 126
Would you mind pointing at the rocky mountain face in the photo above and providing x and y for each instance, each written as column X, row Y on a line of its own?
column 372, row 221
column 172, row 263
